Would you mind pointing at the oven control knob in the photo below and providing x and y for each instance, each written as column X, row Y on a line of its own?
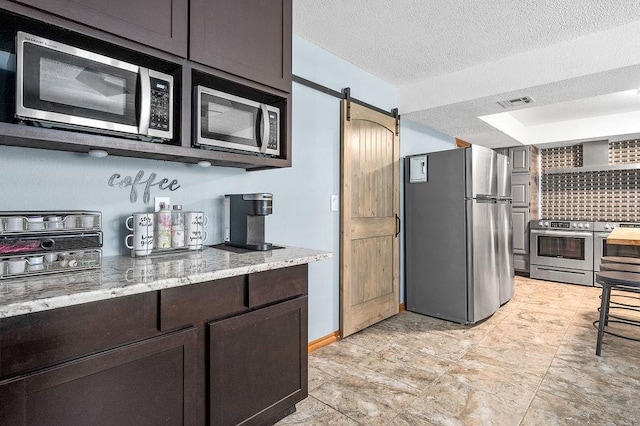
column 587, row 226
column 580, row 225
column 541, row 223
column 546, row 224
column 575, row 225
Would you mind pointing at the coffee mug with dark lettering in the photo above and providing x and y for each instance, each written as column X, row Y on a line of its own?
column 195, row 234
column 142, row 238
column 140, row 220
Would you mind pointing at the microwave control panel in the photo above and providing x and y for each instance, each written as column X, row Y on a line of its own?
column 273, row 130
column 160, row 107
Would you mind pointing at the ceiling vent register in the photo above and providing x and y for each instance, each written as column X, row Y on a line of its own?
column 510, row 103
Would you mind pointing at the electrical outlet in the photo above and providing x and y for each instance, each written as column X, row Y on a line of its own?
column 158, row 200
column 334, row 203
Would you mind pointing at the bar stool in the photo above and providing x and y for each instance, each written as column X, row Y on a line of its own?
column 617, row 279
column 622, row 260
column 621, row 267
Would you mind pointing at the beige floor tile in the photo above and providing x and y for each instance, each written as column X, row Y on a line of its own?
column 340, row 357
column 535, row 356
column 408, row 365
column 547, row 409
column 605, row 389
column 372, row 400
column 406, row 419
column 317, row 377
column 451, row 402
column 502, row 380
column 313, row 412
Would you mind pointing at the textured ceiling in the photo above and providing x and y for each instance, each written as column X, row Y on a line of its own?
column 406, row 42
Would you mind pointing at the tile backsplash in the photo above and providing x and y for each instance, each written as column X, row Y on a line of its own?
column 608, row 195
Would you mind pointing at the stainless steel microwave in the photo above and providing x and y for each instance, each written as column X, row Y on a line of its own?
column 63, row 86
column 227, row 122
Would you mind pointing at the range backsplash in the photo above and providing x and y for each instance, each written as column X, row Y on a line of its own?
column 612, row 195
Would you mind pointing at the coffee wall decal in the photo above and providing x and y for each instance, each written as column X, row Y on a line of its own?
column 137, row 182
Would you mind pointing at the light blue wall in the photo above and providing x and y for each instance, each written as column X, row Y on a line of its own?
column 33, row 179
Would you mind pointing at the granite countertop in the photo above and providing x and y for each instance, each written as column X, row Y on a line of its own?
column 123, row 276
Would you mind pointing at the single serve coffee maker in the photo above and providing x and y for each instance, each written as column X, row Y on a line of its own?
column 245, row 215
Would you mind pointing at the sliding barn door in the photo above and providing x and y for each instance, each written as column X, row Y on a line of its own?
column 369, row 225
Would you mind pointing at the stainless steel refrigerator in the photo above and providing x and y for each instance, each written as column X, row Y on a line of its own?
column 459, row 258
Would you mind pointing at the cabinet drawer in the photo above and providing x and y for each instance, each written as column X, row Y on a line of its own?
column 36, row 340
column 191, row 304
column 277, row 284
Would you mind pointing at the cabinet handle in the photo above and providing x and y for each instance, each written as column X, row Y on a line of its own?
column 397, row 225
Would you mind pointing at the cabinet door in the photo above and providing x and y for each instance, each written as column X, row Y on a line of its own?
column 145, row 383
column 521, row 230
column 520, row 159
column 520, row 189
column 161, row 24
column 258, row 364
column 248, row 38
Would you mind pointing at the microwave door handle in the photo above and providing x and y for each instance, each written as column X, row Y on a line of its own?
column 145, row 101
column 265, row 129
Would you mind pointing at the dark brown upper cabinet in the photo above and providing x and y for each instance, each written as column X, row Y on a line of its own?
column 247, row 38
column 162, row 24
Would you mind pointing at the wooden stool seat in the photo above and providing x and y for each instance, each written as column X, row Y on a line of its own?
column 618, row 280
column 616, row 259
column 621, row 267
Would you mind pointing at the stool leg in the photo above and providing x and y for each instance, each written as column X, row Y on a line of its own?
column 604, row 313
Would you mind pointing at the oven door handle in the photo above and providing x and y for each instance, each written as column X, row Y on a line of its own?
column 561, row 234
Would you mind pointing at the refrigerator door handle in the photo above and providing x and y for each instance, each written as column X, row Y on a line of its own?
column 397, row 225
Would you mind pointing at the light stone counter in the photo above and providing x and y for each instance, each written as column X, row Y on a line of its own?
column 123, row 276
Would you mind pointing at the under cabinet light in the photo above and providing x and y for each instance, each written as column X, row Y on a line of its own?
column 98, row 153
column 204, row 164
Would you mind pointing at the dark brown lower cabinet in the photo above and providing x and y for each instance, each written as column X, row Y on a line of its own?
column 258, row 364
column 150, row 382
column 232, row 351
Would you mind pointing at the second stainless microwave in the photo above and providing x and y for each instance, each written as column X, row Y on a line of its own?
column 228, row 122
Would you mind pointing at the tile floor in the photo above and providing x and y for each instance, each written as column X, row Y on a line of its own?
column 532, row 363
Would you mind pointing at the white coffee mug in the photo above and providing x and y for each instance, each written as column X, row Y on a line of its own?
column 16, row 266
column 15, row 223
column 35, row 260
column 88, row 221
column 71, row 221
column 54, row 222
column 195, row 234
column 35, row 223
column 140, row 221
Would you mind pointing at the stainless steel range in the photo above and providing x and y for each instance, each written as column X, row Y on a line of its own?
column 601, row 248
column 562, row 250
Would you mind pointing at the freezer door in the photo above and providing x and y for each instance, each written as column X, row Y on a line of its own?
column 504, row 176
column 484, row 278
column 436, row 238
column 482, row 175
column 505, row 250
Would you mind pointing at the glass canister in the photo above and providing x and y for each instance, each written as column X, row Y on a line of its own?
column 177, row 227
column 163, row 227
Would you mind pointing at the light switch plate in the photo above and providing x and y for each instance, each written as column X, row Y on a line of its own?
column 158, row 200
column 334, row 203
